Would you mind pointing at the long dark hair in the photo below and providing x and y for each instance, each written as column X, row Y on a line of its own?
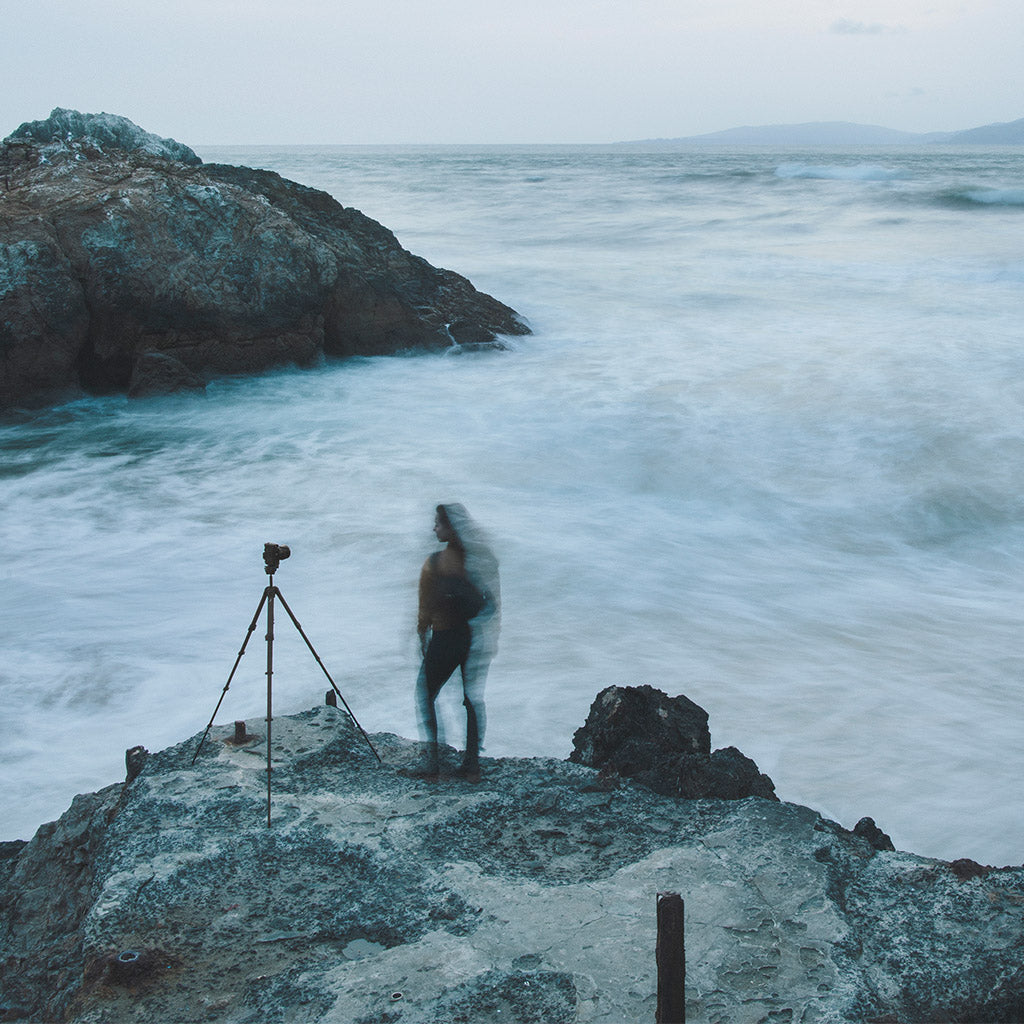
column 446, row 521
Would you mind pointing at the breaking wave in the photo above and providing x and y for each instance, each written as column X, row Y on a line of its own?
column 840, row 172
column 984, row 197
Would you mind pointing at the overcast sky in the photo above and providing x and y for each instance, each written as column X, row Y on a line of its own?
column 509, row 71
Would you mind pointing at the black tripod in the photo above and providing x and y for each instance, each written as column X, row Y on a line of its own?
column 272, row 556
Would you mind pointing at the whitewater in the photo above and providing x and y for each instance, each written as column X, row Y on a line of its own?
column 765, row 448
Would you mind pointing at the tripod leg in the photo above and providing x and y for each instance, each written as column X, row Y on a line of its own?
column 312, row 650
column 252, row 628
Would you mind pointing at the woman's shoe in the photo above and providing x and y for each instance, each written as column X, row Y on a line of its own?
column 469, row 772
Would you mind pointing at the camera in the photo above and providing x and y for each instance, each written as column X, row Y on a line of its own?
column 274, row 554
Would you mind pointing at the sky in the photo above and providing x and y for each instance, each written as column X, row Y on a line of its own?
column 371, row 72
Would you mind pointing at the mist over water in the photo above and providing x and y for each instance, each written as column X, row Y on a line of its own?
column 764, row 448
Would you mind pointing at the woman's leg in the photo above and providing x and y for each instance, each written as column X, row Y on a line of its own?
column 444, row 653
column 474, row 675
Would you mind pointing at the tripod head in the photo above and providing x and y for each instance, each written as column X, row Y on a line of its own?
column 273, row 555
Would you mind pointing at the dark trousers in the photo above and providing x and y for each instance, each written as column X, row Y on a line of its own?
column 447, row 651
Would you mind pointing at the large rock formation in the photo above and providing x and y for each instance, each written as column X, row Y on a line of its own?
column 115, row 244
column 530, row 897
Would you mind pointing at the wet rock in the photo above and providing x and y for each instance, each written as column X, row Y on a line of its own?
column 117, row 247
column 155, row 373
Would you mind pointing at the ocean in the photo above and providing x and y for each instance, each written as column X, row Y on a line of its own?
column 765, row 448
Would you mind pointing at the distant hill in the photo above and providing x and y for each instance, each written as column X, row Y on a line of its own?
column 845, row 133
column 1008, row 133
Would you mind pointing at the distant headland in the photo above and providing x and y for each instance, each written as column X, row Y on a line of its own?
column 846, row 133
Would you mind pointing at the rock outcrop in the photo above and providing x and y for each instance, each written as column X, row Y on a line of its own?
column 531, row 896
column 115, row 245
column 664, row 743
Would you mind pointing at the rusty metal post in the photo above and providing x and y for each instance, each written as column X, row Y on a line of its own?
column 671, row 959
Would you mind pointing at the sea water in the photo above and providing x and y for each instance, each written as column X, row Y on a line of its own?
column 765, row 448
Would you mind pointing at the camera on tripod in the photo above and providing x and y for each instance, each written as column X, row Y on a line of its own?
column 274, row 554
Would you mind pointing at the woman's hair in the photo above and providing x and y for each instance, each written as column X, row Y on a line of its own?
column 446, row 520
column 481, row 568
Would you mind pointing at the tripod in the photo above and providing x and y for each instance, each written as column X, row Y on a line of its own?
column 272, row 555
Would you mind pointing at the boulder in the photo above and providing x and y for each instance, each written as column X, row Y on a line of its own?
column 629, row 728
column 663, row 742
column 116, row 245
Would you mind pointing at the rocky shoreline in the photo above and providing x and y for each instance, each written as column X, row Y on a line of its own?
column 129, row 265
column 377, row 897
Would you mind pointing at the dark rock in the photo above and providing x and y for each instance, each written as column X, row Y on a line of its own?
column 965, row 868
column 629, row 728
column 134, row 761
column 664, row 743
column 117, row 246
column 155, row 373
column 10, row 851
column 44, row 319
column 867, row 829
column 726, row 775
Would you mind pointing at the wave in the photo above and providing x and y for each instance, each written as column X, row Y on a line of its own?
column 983, row 197
column 840, row 172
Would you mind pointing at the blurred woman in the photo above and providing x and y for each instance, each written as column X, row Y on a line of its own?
column 458, row 624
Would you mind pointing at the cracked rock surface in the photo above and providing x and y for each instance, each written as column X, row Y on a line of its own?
column 377, row 897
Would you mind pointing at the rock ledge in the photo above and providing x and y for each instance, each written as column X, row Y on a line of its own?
column 531, row 896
